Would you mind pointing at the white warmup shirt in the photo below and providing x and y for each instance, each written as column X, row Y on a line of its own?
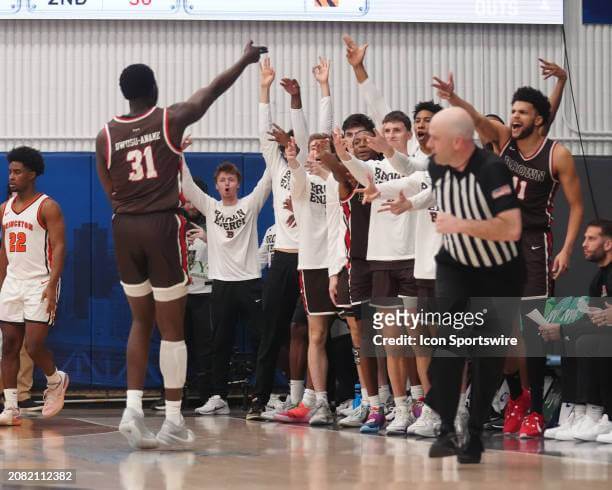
column 197, row 261
column 232, row 230
column 418, row 190
column 266, row 249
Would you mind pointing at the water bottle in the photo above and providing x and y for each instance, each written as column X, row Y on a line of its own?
column 357, row 398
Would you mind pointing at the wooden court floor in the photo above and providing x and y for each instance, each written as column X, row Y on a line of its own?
column 233, row 453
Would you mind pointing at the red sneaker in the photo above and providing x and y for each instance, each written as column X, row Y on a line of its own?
column 532, row 426
column 297, row 415
column 515, row 412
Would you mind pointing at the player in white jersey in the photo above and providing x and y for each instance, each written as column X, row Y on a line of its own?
column 31, row 263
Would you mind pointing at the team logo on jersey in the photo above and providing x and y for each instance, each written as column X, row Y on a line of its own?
column 317, row 193
column 285, row 180
column 527, row 173
column 381, row 176
column 232, row 223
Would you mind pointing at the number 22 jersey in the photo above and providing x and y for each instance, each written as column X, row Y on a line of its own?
column 143, row 163
column 26, row 241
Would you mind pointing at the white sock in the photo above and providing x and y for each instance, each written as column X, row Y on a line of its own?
column 417, row 392
column 134, row 400
column 54, row 379
column 10, row 398
column 296, row 387
column 321, row 396
column 309, row 399
column 375, row 401
column 384, row 392
column 594, row 412
column 462, row 400
column 365, row 399
column 565, row 412
column 400, row 401
column 173, row 412
column 579, row 411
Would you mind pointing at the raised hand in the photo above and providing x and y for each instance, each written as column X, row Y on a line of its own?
column 291, row 86
column 397, row 206
column 252, row 53
column 339, row 145
column 550, row 69
column 371, row 192
column 354, row 54
column 378, row 143
column 291, row 149
column 321, row 70
column 266, row 73
column 195, row 232
column 445, row 89
column 279, row 135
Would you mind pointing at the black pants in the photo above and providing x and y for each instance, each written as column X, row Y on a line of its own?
column 458, row 289
column 595, row 369
column 199, row 340
column 280, row 294
column 231, row 301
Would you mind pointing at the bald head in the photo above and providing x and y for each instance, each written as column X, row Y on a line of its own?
column 451, row 134
column 455, row 122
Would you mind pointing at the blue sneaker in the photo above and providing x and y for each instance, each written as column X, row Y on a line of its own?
column 375, row 421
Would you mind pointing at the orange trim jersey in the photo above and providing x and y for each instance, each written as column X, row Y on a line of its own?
column 143, row 163
column 26, row 241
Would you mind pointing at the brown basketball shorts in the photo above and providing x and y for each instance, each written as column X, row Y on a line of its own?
column 151, row 254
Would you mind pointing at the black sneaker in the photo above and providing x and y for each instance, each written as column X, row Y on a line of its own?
column 255, row 410
column 29, row 405
column 159, row 405
column 471, row 452
column 495, row 422
column 445, row 445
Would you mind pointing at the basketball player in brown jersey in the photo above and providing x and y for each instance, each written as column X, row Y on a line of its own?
column 538, row 165
column 139, row 161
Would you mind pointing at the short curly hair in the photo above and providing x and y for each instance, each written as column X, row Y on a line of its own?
column 536, row 98
column 29, row 157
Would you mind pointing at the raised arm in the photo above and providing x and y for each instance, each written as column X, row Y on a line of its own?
column 269, row 148
column 298, row 120
column 488, row 131
column 261, row 191
column 186, row 113
column 376, row 103
column 196, row 196
column 326, row 112
column 53, row 221
column 550, row 69
column 565, row 169
column 298, row 174
column 402, row 163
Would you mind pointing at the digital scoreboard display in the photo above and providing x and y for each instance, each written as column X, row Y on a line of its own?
column 440, row 11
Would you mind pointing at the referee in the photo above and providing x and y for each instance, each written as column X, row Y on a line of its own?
column 480, row 223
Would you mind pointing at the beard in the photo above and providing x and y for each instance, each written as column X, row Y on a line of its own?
column 526, row 132
column 596, row 256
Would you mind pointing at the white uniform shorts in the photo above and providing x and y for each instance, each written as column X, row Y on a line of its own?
column 21, row 301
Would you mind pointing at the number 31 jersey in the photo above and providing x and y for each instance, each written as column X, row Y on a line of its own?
column 144, row 165
column 26, row 241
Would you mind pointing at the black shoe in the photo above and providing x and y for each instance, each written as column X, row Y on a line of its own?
column 255, row 410
column 445, row 445
column 159, row 405
column 29, row 405
column 471, row 452
column 495, row 422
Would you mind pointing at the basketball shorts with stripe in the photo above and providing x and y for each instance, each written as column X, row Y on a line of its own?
column 20, row 301
column 314, row 286
column 151, row 254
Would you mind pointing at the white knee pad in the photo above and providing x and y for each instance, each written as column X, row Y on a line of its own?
column 173, row 363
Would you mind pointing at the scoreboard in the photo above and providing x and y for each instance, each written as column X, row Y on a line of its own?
column 447, row 11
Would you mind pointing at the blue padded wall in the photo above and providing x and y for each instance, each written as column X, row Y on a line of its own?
column 93, row 318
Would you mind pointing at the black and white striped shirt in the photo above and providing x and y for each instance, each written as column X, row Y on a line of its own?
column 481, row 191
